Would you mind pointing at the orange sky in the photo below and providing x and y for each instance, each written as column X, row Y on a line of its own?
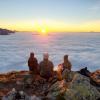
column 52, row 26
column 50, row 15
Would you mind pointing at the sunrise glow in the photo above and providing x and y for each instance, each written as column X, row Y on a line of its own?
column 51, row 16
column 43, row 32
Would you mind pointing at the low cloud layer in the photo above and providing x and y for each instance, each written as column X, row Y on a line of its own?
column 83, row 50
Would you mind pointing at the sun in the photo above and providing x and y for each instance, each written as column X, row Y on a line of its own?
column 44, row 32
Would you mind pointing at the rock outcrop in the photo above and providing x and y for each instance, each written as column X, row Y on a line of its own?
column 26, row 86
column 79, row 88
column 95, row 76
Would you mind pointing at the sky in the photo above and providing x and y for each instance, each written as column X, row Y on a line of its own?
column 50, row 15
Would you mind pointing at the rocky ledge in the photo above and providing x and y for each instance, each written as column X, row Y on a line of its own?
column 72, row 86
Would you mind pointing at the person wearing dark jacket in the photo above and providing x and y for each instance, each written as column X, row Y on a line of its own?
column 33, row 64
column 46, row 67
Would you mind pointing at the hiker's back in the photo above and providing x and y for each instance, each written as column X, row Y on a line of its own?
column 67, row 65
column 33, row 64
column 46, row 67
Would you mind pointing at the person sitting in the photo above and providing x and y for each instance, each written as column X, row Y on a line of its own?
column 46, row 67
column 33, row 64
column 66, row 64
column 64, row 69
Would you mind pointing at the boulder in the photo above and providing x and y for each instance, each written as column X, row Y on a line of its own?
column 95, row 76
column 15, row 95
column 57, row 90
column 77, row 89
column 81, row 89
column 34, row 97
column 68, row 75
column 95, row 79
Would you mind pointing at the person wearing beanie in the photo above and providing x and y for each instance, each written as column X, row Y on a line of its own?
column 46, row 67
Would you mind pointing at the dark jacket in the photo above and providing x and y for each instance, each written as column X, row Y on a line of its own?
column 33, row 65
column 46, row 68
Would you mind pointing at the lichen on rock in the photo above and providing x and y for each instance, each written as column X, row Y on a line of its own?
column 73, row 86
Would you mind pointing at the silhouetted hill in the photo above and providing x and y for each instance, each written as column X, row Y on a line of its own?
column 5, row 31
